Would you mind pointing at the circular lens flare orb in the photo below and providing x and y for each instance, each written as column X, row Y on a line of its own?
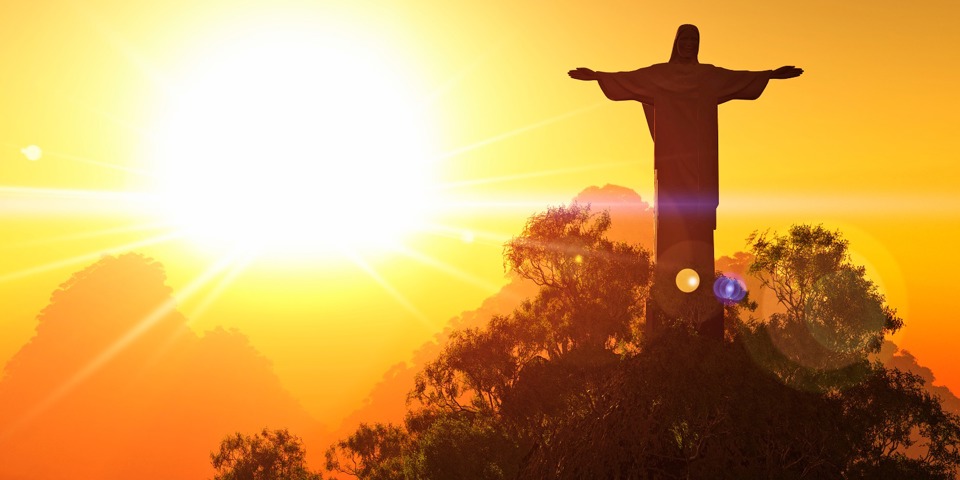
column 729, row 290
column 32, row 152
column 688, row 280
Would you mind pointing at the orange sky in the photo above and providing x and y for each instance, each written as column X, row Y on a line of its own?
column 862, row 142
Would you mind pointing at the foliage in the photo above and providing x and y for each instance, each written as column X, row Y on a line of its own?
column 591, row 288
column 461, row 446
column 835, row 315
column 715, row 414
column 588, row 306
column 889, row 414
column 568, row 386
column 709, row 413
column 371, row 453
column 267, row 455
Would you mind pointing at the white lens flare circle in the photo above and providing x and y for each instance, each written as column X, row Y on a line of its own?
column 32, row 152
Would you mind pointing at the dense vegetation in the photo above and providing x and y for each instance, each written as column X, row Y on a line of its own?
column 571, row 385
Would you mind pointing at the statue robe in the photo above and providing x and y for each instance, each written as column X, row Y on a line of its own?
column 680, row 100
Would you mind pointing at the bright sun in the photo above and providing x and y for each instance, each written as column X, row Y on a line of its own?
column 295, row 141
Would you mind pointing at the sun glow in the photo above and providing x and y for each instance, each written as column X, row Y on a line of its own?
column 295, row 141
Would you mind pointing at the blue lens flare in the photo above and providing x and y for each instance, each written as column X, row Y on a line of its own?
column 729, row 290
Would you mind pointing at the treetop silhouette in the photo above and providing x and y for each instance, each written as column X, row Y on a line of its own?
column 537, row 394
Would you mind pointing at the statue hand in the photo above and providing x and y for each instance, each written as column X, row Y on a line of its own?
column 785, row 72
column 583, row 73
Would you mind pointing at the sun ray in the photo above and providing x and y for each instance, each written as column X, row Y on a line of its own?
column 852, row 203
column 393, row 292
column 110, row 36
column 518, row 204
column 520, row 130
column 139, row 227
column 532, row 175
column 461, row 74
column 469, row 235
column 87, row 257
column 54, row 201
column 117, row 346
column 238, row 265
column 450, row 270
column 106, row 165
column 868, row 203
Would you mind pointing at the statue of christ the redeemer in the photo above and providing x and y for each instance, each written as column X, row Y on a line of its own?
column 680, row 101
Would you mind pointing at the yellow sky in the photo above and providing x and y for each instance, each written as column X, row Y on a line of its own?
column 864, row 141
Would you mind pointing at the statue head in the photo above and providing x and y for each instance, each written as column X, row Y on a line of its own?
column 686, row 45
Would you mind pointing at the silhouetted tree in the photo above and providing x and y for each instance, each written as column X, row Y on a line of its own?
column 553, row 352
column 267, row 455
column 688, row 407
column 588, row 306
column 591, row 288
column 461, row 446
column 810, row 271
column 371, row 453
column 567, row 386
column 716, row 411
column 484, row 401
column 834, row 317
column 891, row 411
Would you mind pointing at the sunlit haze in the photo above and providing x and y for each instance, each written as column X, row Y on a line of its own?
column 295, row 141
column 300, row 198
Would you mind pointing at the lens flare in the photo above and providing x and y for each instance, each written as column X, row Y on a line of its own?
column 32, row 152
column 729, row 290
column 688, row 280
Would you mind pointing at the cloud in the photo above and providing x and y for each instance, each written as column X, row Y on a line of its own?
column 152, row 410
column 892, row 356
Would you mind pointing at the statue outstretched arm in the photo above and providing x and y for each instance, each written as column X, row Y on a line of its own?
column 584, row 73
column 785, row 72
column 618, row 85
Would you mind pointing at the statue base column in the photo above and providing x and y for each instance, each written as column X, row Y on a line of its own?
column 684, row 242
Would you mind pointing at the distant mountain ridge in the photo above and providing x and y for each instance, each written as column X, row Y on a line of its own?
column 155, row 408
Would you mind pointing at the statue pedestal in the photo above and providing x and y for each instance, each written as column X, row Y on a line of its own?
column 684, row 240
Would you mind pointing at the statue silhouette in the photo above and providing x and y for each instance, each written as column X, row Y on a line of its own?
column 680, row 101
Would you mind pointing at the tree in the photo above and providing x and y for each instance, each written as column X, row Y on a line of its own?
column 835, row 316
column 896, row 425
column 715, row 413
column 373, row 452
column 267, row 455
column 462, row 446
column 592, row 287
column 483, row 402
column 568, row 385
column 586, row 312
column 706, row 413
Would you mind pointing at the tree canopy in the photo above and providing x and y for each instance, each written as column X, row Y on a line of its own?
column 569, row 385
column 266, row 455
